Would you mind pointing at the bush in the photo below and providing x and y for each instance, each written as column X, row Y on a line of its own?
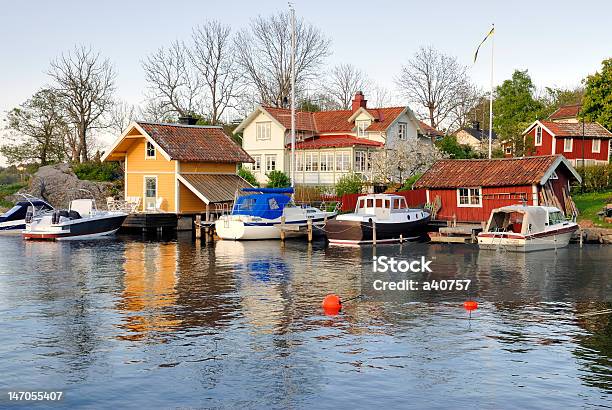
column 248, row 176
column 349, row 184
column 6, row 190
column 97, row 171
column 595, row 178
column 410, row 182
column 453, row 149
column 278, row 179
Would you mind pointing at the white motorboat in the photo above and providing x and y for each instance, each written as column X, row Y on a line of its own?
column 259, row 215
column 82, row 220
column 523, row 228
column 387, row 214
column 14, row 220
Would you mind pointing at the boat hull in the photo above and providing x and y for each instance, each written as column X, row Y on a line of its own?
column 237, row 230
column 527, row 243
column 77, row 229
column 348, row 232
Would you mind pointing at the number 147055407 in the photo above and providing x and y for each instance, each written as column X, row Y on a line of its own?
column 35, row 395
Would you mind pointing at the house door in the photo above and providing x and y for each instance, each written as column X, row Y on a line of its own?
column 150, row 193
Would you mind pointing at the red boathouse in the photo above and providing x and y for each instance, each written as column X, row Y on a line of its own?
column 468, row 190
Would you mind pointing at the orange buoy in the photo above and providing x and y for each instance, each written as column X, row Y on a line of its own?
column 470, row 305
column 331, row 304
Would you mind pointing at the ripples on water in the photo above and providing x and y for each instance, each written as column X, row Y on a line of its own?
column 130, row 323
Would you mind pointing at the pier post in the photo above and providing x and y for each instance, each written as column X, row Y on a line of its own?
column 198, row 226
column 207, row 234
column 374, row 233
column 282, row 232
column 309, row 223
column 580, row 233
column 401, row 238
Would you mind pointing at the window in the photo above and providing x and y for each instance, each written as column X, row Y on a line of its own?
column 327, row 161
column 538, row 136
column 150, row 187
column 270, row 163
column 343, row 161
column 299, row 161
column 508, row 150
column 361, row 127
column 596, row 145
column 402, row 130
column 555, row 218
column 568, row 145
column 361, row 161
column 554, row 175
column 263, row 130
column 469, row 197
column 150, row 150
column 272, row 204
column 312, row 161
column 257, row 163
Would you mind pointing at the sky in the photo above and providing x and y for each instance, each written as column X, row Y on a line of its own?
column 559, row 42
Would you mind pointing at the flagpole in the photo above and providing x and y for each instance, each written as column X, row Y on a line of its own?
column 491, row 97
column 292, row 162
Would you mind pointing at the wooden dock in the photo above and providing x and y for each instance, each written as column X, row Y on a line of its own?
column 159, row 221
column 456, row 234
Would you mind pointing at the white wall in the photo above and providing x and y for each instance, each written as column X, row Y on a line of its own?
column 274, row 146
column 393, row 129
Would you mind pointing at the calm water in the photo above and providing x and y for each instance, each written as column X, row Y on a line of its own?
column 134, row 323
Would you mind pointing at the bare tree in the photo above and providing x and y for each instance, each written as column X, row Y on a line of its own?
column 264, row 52
column 379, row 96
column 213, row 56
column 121, row 115
column 433, row 81
column 343, row 82
column 467, row 99
column 172, row 81
column 85, row 84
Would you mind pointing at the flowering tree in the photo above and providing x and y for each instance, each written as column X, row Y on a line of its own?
column 403, row 160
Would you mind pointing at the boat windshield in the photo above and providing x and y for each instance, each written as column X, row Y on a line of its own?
column 555, row 218
column 269, row 206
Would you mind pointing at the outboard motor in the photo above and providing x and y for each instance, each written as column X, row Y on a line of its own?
column 29, row 214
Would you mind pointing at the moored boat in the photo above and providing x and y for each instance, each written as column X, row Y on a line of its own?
column 387, row 215
column 14, row 220
column 523, row 228
column 82, row 220
column 259, row 215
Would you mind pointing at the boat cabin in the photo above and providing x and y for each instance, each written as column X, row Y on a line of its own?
column 381, row 205
column 267, row 203
column 523, row 219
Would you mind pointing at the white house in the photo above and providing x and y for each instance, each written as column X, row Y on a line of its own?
column 329, row 144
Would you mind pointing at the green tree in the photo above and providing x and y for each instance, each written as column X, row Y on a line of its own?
column 278, row 179
column 248, row 176
column 597, row 103
column 37, row 130
column 453, row 149
column 515, row 107
column 350, row 183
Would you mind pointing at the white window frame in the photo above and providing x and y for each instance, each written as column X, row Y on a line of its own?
column 471, row 197
column 311, row 162
column 263, row 130
column 299, row 161
column 362, row 125
column 326, row 161
column 149, row 145
column 257, row 163
column 145, row 208
column 402, row 131
column 361, row 161
column 571, row 144
column 598, row 150
column 538, row 136
column 508, row 150
column 343, row 161
column 268, row 162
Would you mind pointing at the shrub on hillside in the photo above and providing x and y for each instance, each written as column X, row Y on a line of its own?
column 97, row 171
column 278, row 179
column 248, row 176
column 595, row 178
column 349, row 184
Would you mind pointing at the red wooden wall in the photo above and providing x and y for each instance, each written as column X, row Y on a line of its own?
column 545, row 148
column 576, row 153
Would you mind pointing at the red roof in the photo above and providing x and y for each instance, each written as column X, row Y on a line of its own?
column 335, row 141
column 303, row 120
column 566, row 111
column 574, row 129
column 429, row 130
column 195, row 143
column 487, row 172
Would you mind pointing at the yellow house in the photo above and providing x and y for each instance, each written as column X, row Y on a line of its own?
column 178, row 168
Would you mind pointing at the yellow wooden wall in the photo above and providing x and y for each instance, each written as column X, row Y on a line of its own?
column 224, row 168
column 189, row 201
column 165, row 188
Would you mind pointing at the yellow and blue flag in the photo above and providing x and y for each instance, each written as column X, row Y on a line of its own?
column 482, row 42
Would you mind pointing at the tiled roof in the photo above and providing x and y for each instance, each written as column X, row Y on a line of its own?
column 335, row 141
column 195, row 143
column 479, row 134
column 303, row 120
column 429, row 130
column 566, row 111
column 566, row 129
column 486, row 172
column 384, row 117
column 333, row 121
column 216, row 187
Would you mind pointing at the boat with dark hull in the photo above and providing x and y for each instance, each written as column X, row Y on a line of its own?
column 14, row 220
column 384, row 215
column 82, row 220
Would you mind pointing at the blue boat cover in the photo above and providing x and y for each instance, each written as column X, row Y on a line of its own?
column 268, row 206
column 269, row 190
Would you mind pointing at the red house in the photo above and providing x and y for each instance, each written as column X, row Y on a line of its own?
column 468, row 190
column 582, row 143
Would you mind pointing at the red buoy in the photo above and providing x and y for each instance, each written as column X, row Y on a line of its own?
column 470, row 305
column 331, row 304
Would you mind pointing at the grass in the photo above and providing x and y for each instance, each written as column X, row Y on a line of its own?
column 6, row 190
column 590, row 204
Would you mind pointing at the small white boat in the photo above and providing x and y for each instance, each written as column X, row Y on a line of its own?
column 14, row 220
column 82, row 220
column 523, row 228
column 259, row 215
column 389, row 214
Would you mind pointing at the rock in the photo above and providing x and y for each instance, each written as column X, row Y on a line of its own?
column 597, row 235
column 58, row 185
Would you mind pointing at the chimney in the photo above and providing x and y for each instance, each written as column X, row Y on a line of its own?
column 476, row 125
column 187, row 120
column 359, row 101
